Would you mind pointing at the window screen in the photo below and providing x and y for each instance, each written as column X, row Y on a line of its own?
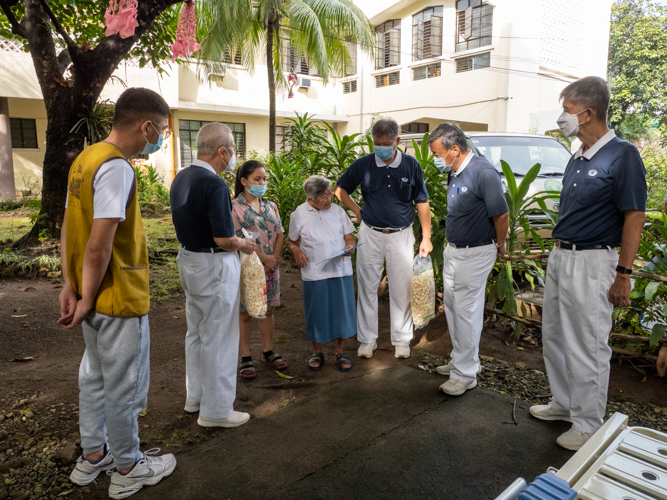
column 24, row 133
column 188, row 139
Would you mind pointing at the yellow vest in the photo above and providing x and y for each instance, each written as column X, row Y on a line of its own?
column 124, row 290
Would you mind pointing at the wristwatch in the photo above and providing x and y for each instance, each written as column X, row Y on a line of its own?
column 499, row 246
column 623, row 270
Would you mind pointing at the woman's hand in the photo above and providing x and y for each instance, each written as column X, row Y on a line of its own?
column 270, row 263
column 300, row 257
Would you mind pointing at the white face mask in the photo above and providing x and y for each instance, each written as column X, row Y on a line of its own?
column 229, row 167
column 569, row 123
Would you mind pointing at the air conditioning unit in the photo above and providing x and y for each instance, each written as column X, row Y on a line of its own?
column 218, row 73
column 304, row 83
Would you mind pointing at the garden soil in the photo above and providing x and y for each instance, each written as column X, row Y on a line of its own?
column 39, row 363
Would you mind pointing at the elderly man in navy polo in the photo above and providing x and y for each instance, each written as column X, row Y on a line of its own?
column 392, row 183
column 602, row 207
column 476, row 227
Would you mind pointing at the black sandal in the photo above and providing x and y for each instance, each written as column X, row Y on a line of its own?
column 318, row 358
column 342, row 359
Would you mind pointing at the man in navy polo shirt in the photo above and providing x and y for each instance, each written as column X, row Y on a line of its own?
column 476, row 227
column 391, row 184
column 208, row 265
column 601, row 207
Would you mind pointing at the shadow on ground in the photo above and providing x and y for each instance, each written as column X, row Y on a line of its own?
column 387, row 434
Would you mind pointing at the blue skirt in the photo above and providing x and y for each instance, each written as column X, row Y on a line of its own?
column 330, row 308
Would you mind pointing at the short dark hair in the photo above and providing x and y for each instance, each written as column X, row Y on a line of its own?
column 244, row 172
column 591, row 92
column 450, row 135
column 139, row 105
column 385, row 128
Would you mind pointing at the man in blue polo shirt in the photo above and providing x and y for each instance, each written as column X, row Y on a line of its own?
column 602, row 207
column 476, row 227
column 208, row 265
column 391, row 184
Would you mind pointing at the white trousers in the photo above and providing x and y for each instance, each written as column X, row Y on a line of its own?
column 395, row 251
column 464, row 274
column 211, row 283
column 576, row 322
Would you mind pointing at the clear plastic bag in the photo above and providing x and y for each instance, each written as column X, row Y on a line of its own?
column 422, row 298
column 253, row 285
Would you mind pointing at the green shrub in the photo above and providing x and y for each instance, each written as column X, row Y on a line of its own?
column 152, row 193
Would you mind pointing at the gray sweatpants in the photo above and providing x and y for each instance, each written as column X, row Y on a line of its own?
column 113, row 385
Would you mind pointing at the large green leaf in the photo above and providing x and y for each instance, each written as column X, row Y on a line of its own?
column 651, row 289
column 528, row 179
column 657, row 333
column 509, row 179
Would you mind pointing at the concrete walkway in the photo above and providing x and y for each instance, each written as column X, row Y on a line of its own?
column 388, row 434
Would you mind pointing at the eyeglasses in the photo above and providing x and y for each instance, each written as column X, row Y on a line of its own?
column 325, row 196
column 166, row 134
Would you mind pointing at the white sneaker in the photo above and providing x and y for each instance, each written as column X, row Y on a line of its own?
column 85, row 472
column 234, row 420
column 548, row 412
column 573, row 440
column 402, row 351
column 366, row 350
column 148, row 471
column 447, row 369
column 191, row 407
column 455, row 387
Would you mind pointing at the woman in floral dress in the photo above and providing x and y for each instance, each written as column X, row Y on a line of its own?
column 261, row 218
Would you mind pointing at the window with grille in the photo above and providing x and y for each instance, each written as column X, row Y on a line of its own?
column 188, row 139
column 232, row 58
column 388, row 44
column 423, row 72
column 24, row 133
column 427, row 34
column 282, row 142
column 293, row 60
column 352, row 68
column 349, row 87
column 473, row 62
column 415, row 128
column 474, row 24
column 387, row 79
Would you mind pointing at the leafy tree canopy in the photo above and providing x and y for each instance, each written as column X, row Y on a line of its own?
column 84, row 22
column 638, row 61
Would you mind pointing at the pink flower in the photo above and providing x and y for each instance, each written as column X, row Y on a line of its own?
column 186, row 42
column 121, row 18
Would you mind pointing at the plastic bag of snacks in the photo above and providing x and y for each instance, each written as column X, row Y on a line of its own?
column 253, row 285
column 422, row 297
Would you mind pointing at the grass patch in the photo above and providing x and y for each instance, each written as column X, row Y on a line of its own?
column 164, row 280
column 12, row 228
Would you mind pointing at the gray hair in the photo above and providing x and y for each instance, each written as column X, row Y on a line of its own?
column 385, row 128
column 315, row 185
column 592, row 92
column 450, row 135
column 211, row 137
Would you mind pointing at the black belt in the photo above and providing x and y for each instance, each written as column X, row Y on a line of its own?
column 574, row 246
column 203, row 250
column 470, row 246
column 387, row 230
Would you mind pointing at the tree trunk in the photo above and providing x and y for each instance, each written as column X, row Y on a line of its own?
column 272, row 87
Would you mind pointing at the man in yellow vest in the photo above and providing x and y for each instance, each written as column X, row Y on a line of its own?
column 105, row 265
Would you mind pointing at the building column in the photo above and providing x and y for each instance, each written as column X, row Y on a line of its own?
column 7, row 186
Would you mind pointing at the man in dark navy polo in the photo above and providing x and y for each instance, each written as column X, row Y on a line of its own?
column 602, row 207
column 392, row 183
column 476, row 227
column 208, row 265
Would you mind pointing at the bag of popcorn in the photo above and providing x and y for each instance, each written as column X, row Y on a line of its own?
column 422, row 298
column 253, row 285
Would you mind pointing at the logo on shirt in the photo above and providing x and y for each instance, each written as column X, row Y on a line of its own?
column 592, row 173
column 464, row 189
column 404, row 180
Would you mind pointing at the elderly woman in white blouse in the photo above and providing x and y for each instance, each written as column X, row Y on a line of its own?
column 318, row 230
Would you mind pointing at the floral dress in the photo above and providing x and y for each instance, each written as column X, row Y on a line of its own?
column 267, row 223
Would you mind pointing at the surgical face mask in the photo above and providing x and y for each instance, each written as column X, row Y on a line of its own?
column 383, row 152
column 441, row 163
column 257, row 189
column 149, row 149
column 229, row 167
column 569, row 123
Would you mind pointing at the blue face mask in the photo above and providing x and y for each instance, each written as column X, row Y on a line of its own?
column 441, row 164
column 149, row 149
column 257, row 189
column 383, row 152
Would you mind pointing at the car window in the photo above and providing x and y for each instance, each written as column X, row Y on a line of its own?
column 521, row 153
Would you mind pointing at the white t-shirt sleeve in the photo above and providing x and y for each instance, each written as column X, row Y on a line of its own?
column 295, row 226
column 112, row 185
